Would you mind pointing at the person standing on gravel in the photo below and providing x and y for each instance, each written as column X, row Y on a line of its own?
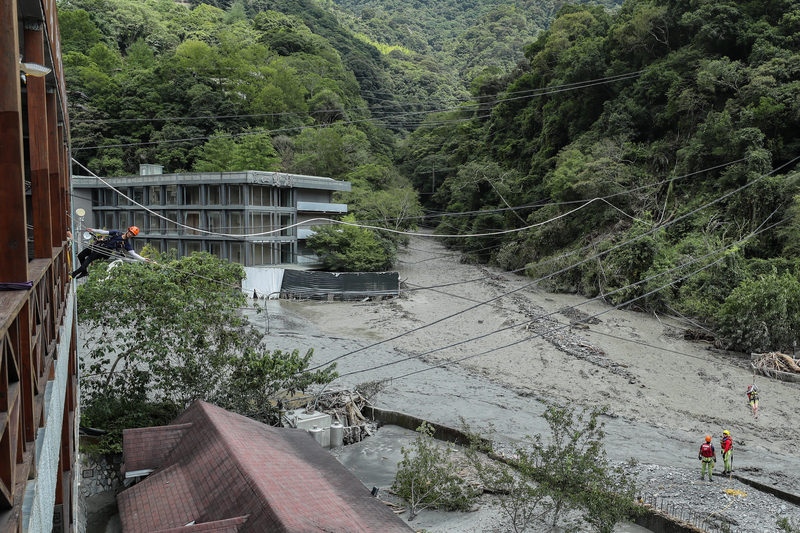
column 709, row 456
column 727, row 451
column 752, row 397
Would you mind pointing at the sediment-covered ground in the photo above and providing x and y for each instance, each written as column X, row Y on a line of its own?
column 470, row 344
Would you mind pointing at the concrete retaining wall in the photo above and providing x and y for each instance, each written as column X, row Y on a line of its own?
column 404, row 420
column 778, row 493
column 659, row 522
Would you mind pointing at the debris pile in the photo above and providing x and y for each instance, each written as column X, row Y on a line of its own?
column 345, row 406
column 770, row 364
column 565, row 339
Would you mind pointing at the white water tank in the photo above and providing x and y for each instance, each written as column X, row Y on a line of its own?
column 337, row 434
column 317, row 433
column 303, row 420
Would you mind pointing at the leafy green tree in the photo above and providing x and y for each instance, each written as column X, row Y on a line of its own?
column 524, row 502
column 254, row 151
column 382, row 197
column 217, row 154
column 642, row 31
column 566, row 463
column 250, row 151
column 610, row 499
column 397, row 209
column 174, row 335
column 332, row 151
column 140, row 55
column 349, row 248
column 426, row 477
column 762, row 314
column 78, row 32
column 258, row 376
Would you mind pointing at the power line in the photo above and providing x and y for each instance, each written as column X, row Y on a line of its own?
column 240, row 237
column 584, row 203
column 478, row 107
column 584, row 319
column 755, row 232
column 533, row 205
column 565, row 269
column 498, row 97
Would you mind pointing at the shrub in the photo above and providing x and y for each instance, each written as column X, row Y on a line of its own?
column 762, row 314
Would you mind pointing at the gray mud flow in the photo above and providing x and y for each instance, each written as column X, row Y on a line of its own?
column 450, row 394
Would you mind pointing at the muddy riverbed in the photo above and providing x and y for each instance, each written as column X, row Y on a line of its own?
column 470, row 343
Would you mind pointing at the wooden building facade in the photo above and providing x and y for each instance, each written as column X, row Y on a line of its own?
column 38, row 356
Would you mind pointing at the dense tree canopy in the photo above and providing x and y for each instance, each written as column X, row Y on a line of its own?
column 609, row 150
column 664, row 109
column 174, row 335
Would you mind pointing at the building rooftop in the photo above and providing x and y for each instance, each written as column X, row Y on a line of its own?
column 278, row 179
column 226, row 472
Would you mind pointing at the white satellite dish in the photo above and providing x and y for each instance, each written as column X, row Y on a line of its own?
column 86, row 235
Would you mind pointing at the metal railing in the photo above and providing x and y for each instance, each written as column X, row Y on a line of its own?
column 685, row 516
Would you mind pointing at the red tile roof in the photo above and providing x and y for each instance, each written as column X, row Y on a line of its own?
column 164, row 502
column 146, row 448
column 232, row 466
column 232, row 525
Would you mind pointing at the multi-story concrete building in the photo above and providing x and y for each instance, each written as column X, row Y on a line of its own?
column 38, row 355
column 250, row 217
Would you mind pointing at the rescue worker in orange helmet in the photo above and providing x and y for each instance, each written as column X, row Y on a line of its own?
column 116, row 241
column 709, row 456
column 727, row 451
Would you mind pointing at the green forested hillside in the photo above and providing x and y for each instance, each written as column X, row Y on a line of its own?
column 641, row 141
column 202, row 89
column 466, row 37
column 155, row 80
column 646, row 155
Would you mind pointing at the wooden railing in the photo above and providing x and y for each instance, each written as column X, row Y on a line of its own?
column 31, row 331
column 38, row 371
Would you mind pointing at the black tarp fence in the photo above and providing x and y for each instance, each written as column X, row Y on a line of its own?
column 339, row 285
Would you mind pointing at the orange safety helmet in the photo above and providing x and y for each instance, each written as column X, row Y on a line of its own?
column 134, row 230
column 708, row 438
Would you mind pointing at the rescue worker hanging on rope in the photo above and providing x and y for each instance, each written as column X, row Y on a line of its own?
column 116, row 241
column 709, row 456
column 752, row 397
column 727, row 451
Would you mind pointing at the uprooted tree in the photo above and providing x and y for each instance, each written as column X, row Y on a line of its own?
column 427, row 478
column 159, row 336
column 568, row 471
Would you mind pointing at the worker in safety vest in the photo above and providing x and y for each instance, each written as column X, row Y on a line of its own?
column 709, row 457
column 727, row 450
column 752, row 397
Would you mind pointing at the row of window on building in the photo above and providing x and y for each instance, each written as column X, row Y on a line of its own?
column 206, row 194
column 245, row 253
column 231, row 222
